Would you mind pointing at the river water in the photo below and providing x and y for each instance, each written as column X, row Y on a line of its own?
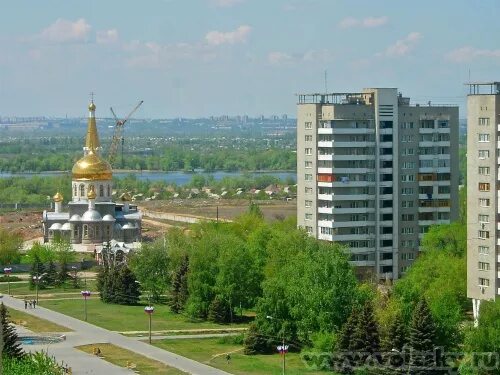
column 177, row 177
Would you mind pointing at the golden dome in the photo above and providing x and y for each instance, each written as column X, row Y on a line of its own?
column 92, row 167
column 91, row 106
column 58, row 197
column 91, row 193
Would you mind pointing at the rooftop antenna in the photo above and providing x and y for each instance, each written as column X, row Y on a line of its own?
column 326, row 82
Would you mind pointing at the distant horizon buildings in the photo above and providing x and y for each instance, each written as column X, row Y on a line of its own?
column 374, row 173
column 483, row 202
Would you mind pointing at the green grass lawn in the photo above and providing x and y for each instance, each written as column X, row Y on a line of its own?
column 119, row 356
column 127, row 318
column 33, row 323
column 206, row 351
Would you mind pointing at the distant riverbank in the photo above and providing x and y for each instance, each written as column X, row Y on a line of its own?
column 174, row 177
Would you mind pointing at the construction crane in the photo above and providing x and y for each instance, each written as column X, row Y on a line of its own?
column 117, row 134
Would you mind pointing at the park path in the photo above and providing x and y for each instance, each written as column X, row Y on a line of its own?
column 85, row 333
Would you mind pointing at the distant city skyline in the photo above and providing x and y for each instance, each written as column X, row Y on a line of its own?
column 205, row 58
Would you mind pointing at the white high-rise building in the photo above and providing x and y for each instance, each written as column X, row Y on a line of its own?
column 374, row 172
column 483, row 203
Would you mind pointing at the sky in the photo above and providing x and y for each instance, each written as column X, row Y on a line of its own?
column 200, row 58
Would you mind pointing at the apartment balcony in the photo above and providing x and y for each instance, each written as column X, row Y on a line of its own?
column 353, row 237
column 387, row 236
column 427, row 222
column 325, row 184
column 354, row 144
column 386, row 131
column 325, row 223
column 359, row 210
column 443, row 170
column 385, row 196
column 353, row 131
column 337, row 157
column 443, row 130
column 325, row 197
column 325, row 237
column 327, row 157
column 386, row 157
column 325, row 143
column 427, row 144
column 363, row 263
column 350, row 184
column 426, row 170
column 385, row 144
column 386, row 262
column 352, row 197
column 387, row 275
column 325, row 170
column 426, row 130
column 325, row 210
column 347, row 171
column 351, row 224
column 325, row 131
column 360, row 250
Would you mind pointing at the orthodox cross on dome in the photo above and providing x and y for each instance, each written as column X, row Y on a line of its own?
column 92, row 96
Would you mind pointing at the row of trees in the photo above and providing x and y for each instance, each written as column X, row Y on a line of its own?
column 173, row 158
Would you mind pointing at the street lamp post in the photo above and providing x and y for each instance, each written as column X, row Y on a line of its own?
column 7, row 271
column 75, row 282
column 282, row 349
column 36, row 279
column 85, row 294
column 149, row 310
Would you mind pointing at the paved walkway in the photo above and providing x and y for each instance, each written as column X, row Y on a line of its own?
column 85, row 333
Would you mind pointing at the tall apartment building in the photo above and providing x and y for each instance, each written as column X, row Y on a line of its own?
column 374, row 172
column 483, row 203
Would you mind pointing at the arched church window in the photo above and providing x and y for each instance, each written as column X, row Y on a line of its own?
column 109, row 190
column 75, row 231
column 74, row 190
column 85, row 230
column 82, row 190
column 101, row 190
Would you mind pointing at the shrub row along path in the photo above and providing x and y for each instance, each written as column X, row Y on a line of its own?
column 85, row 333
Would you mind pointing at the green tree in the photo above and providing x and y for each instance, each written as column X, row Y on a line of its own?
column 50, row 277
column 397, row 334
column 10, row 245
column 127, row 290
column 64, row 254
column 423, row 339
column 257, row 342
column 11, row 345
column 219, row 310
column 179, row 290
column 37, row 272
column 151, row 266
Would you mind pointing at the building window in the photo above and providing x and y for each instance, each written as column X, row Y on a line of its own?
column 483, row 266
column 109, row 190
column 309, row 164
column 484, row 137
column 408, row 165
column 308, row 203
column 484, row 154
column 485, row 250
column 485, row 171
column 85, row 230
column 309, row 230
column 484, row 186
column 407, row 230
column 308, row 125
column 75, row 190
column 443, row 124
column 484, row 234
column 308, row 151
column 308, row 177
column 82, row 190
column 484, row 121
column 101, row 190
column 309, row 216
column 407, row 217
column 406, row 191
column 407, row 177
column 325, row 230
column 407, row 204
column 484, row 282
column 407, row 125
column 308, row 190
column 308, row 138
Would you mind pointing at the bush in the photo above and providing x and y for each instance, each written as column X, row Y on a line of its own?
column 5, row 278
column 33, row 363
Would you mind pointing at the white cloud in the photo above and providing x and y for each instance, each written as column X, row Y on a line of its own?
column 226, row 3
column 277, row 57
column 107, row 36
column 239, row 35
column 403, row 46
column 367, row 22
column 64, row 31
column 468, row 53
